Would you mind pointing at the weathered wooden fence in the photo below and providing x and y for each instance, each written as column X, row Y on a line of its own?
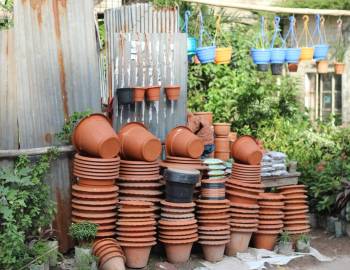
column 151, row 59
column 49, row 69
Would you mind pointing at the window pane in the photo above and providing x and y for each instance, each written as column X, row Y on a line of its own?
column 327, row 101
column 327, row 81
column 338, row 85
column 338, row 100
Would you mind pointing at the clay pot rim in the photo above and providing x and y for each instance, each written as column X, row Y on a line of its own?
column 177, row 228
column 264, row 232
column 242, row 215
column 177, row 210
column 215, row 211
column 296, row 228
column 292, row 208
column 295, row 201
column 136, row 239
column 105, row 241
column 297, row 212
column 141, row 198
column 138, row 162
column 94, row 203
column 214, row 237
column 179, row 232
column 137, row 234
column 95, row 221
column 244, row 205
column 244, row 225
column 94, row 165
column 178, row 242
column 177, row 237
column 94, row 171
column 85, row 176
column 96, row 196
column 93, row 208
column 271, row 203
column 213, row 243
column 142, row 178
column 135, row 224
column 219, row 232
column 214, row 228
column 141, row 185
column 177, row 222
column 220, row 202
column 302, row 220
column 138, row 245
column 136, row 215
column 246, row 166
column 245, row 184
column 178, row 205
column 136, row 228
column 177, row 216
column 251, row 190
column 95, row 189
column 141, row 192
column 94, row 159
column 269, row 196
column 242, row 195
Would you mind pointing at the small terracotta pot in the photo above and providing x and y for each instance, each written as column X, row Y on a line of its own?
column 246, row 150
column 292, row 67
column 206, row 116
column 178, row 253
column 339, row 68
column 265, row 241
column 94, row 135
column 322, row 66
column 222, row 144
column 181, row 142
column 139, row 94
column 222, row 155
column 153, row 93
column 137, row 143
column 211, row 252
column 239, row 242
column 137, row 257
column 172, row 92
column 222, row 129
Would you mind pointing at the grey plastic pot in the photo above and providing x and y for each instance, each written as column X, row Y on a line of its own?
column 302, row 246
column 83, row 257
column 53, row 245
column 285, row 248
column 125, row 95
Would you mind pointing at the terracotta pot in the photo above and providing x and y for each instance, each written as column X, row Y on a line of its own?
column 180, row 141
column 339, row 68
column 222, row 129
column 239, row 242
column 222, row 144
column 94, row 135
column 265, row 241
column 178, row 253
column 139, row 94
column 246, row 150
column 172, row 92
column 292, row 67
column 223, row 55
column 307, row 53
column 153, row 93
column 113, row 263
column 322, row 66
column 137, row 257
column 222, row 155
column 206, row 116
column 93, row 182
column 137, row 143
column 212, row 251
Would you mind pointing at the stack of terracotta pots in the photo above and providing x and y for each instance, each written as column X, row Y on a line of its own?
column 213, row 189
column 178, row 230
column 243, row 196
column 222, row 140
column 296, row 220
column 136, row 231
column 214, row 227
column 270, row 220
column 109, row 253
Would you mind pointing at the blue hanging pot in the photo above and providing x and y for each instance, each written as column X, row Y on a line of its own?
column 293, row 55
column 206, row 54
column 278, row 55
column 261, row 56
column 191, row 45
column 321, row 51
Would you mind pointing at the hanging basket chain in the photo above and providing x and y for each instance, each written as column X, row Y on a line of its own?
column 218, row 27
column 319, row 34
column 277, row 33
column 339, row 38
column 306, row 32
column 262, row 36
column 291, row 33
column 202, row 31
column 187, row 17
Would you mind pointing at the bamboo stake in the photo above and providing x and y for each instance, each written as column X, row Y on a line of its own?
column 257, row 7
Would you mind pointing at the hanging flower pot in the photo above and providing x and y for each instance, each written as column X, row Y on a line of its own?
column 153, row 93
column 320, row 51
column 261, row 55
column 172, row 92
column 307, row 51
column 319, row 36
column 224, row 52
column 276, row 69
column 339, row 68
column 293, row 67
column 205, row 54
column 125, row 96
column 322, row 66
column 223, row 55
column 340, row 50
column 278, row 55
column 139, row 94
column 292, row 53
column 191, row 45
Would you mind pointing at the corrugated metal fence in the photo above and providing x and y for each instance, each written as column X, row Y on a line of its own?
column 52, row 55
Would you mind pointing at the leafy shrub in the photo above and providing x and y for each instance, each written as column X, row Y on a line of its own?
column 84, row 232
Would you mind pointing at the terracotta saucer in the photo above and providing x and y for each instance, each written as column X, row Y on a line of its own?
column 270, row 222
column 214, row 228
column 244, row 205
column 127, row 178
column 291, row 187
column 213, row 217
column 297, row 228
column 177, row 222
column 237, row 174
column 244, row 220
column 289, row 223
column 128, row 166
column 208, row 222
column 240, row 165
column 98, row 165
column 249, row 181
column 141, row 192
column 95, row 173
column 178, row 232
column 240, row 198
column 134, row 210
column 294, row 208
column 178, row 205
column 271, row 203
column 299, row 232
column 213, row 206
column 91, row 159
column 238, row 229
column 182, row 241
column 139, row 169
column 121, row 222
column 132, row 229
column 176, row 216
column 95, row 170
column 241, row 215
column 271, row 217
column 95, row 221
column 211, row 202
column 154, row 173
column 237, row 211
column 136, row 204
column 98, row 244
column 95, row 177
column 177, row 227
column 222, row 232
column 138, row 176
column 242, row 194
column 102, row 196
column 297, row 212
column 95, row 189
column 292, row 192
column 95, row 203
column 245, row 169
column 209, row 212
column 134, row 215
column 270, row 212
column 141, row 185
column 214, row 237
column 246, row 192
column 214, row 181
column 92, row 182
column 177, row 210
column 134, row 162
column 136, row 234
column 244, row 225
column 140, row 198
column 245, row 178
column 270, row 227
column 130, row 244
column 136, row 239
column 94, row 214
column 93, row 208
column 245, row 185
column 107, row 227
column 266, row 196
column 277, row 231
column 177, row 237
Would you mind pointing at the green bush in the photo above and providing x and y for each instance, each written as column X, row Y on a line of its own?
column 84, row 233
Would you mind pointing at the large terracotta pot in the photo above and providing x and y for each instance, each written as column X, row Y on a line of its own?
column 264, row 240
column 172, row 92
column 139, row 94
column 153, row 93
column 222, row 144
column 222, row 129
column 206, row 116
column 339, row 68
column 137, row 143
column 246, row 150
column 178, row 253
column 322, row 66
column 137, row 257
column 181, row 142
column 213, row 251
column 239, row 242
column 95, row 136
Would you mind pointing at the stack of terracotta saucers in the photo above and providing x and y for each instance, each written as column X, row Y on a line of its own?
column 270, row 220
column 213, row 189
column 109, row 253
column 214, row 227
column 178, row 230
column 140, row 180
column 239, row 191
column 296, row 220
column 246, row 173
column 136, row 231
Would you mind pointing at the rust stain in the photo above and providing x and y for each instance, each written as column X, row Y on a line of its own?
column 36, row 5
column 48, row 138
column 62, row 221
column 56, row 17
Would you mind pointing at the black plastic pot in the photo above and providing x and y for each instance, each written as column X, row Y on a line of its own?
column 180, row 185
column 213, row 198
column 125, row 96
column 262, row 67
column 276, row 69
column 213, row 185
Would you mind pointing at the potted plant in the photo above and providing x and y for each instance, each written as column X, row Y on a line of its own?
column 52, row 243
column 84, row 234
column 293, row 52
column 303, row 243
column 40, row 251
column 223, row 52
column 172, row 92
column 278, row 51
column 261, row 53
column 285, row 244
column 339, row 56
column 206, row 46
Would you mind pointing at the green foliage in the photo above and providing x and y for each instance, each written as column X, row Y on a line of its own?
column 67, row 130
column 84, row 232
column 41, row 252
column 166, row 3
column 339, row 51
column 304, row 238
column 6, row 21
column 285, row 238
column 85, row 262
column 25, row 208
column 319, row 4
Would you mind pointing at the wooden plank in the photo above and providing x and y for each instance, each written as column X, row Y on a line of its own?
column 34, row 151
column 273, row 9
column 277, row 181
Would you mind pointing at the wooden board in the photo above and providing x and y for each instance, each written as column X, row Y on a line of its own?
column 278, row 181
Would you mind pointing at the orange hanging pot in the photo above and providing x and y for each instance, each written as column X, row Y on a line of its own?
column 172, row 92
column 153, row 93
column 223, row 55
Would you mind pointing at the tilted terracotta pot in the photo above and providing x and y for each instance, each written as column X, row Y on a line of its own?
column 246, row 150
column 113, row 263
column 172, row 92
column 139, row 94
column 137, row 143
column 206, row 116
column 222, row 129
column 339, row 68
column 222, row 144
column 153, row 93
column 265, row 241
column 181, row 142
column 239, row 242
column 94, row 135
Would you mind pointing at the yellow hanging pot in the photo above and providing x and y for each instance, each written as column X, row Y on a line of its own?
column 307, row 53
column 223, row 55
